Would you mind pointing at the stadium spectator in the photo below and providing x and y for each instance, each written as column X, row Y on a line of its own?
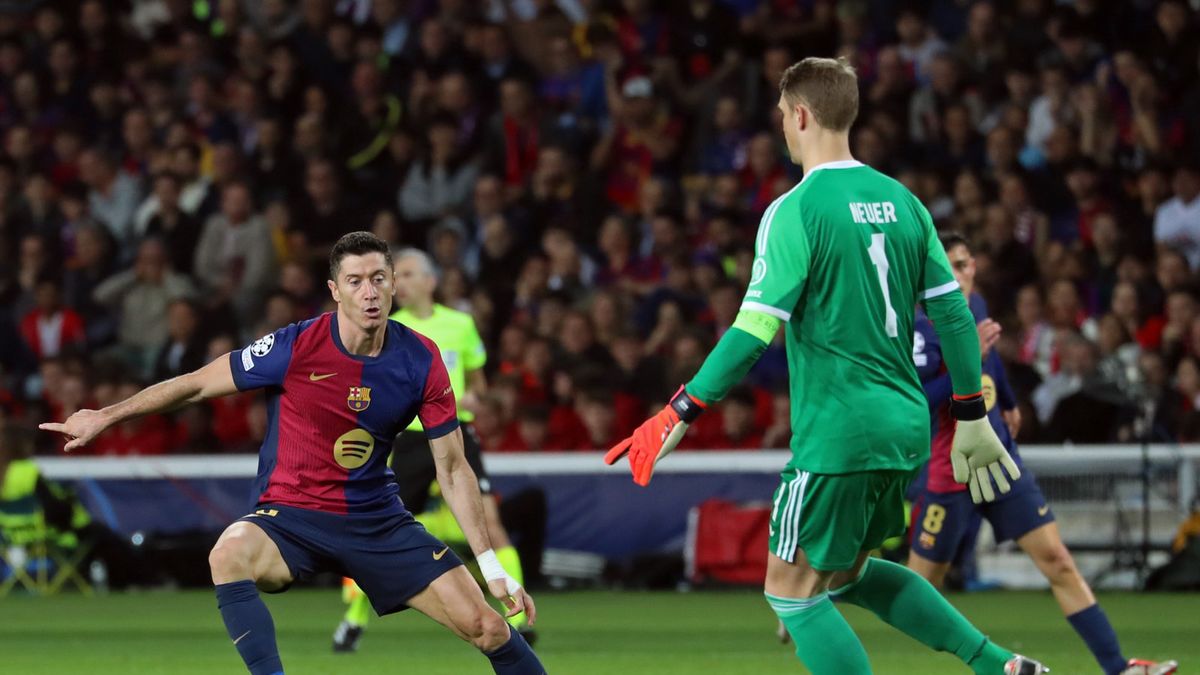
column 34, row 263
column 184, row 349
column 1078, row 362
column 113, row 196
column 235, row 256
column 532, row 430
column 140, row 296
column 91, row 264
column 595, row 410
column 194, row 186
column 515, row 134
column 440, row 183
column 163, row 215
column 51, row 328
column 1177, row 220
column 643, row 139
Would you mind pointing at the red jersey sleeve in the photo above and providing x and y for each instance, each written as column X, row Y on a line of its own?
column 438, row 412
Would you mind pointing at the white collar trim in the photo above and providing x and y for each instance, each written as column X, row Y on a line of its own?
column 839, row 164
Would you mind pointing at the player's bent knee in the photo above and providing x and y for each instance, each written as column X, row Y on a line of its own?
column 228, row 561
column 233, row 556
column 488, row 631
column 496, row 632
column 1057, row 564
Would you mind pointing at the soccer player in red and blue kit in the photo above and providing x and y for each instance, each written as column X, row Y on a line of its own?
column 943, row 515
column 339, row 388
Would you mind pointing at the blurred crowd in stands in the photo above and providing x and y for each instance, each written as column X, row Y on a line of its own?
column 588, row 176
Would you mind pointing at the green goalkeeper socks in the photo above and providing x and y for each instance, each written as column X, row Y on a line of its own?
column 511, row 562
column 903, row 599
column 825, row 643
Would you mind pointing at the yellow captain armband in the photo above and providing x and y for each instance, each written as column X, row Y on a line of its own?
column 759, row 324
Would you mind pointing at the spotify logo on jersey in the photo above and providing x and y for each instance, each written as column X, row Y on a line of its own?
column 353, row 448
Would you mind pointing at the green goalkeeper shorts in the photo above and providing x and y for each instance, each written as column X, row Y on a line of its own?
column 834, row 517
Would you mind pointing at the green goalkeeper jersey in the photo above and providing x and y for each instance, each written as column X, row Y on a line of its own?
column 842, row 258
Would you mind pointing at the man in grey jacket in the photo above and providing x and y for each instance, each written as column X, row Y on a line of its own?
column 235, row 258
column 141, row 295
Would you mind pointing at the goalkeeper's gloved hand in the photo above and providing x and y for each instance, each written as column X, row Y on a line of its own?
column 657, row 436
column 977, row 450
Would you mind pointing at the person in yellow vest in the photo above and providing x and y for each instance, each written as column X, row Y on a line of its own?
column 462, row 349
column 34, row 509
column 22, row 520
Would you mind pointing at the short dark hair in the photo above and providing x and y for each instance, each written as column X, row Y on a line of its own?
column 952, row 239
column 357, row 243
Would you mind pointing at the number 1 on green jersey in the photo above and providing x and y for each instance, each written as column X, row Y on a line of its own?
column 879, row 259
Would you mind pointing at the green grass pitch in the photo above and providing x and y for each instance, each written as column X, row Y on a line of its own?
column 581, row 634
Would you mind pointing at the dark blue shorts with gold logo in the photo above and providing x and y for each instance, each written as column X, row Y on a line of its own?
column 389, row 554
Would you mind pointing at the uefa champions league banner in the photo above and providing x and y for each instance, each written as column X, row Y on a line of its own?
column 590, row 507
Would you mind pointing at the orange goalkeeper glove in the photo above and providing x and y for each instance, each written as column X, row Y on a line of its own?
column 657, row 436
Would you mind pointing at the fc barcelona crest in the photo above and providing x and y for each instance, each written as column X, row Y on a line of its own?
column 359, row 398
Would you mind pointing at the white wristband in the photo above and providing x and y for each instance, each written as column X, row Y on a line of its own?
column 491, row 569
column 489, row 565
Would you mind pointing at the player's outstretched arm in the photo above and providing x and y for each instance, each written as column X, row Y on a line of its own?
column 779, row 274
column 460, row 489
column 211, row 381
column 736, row 352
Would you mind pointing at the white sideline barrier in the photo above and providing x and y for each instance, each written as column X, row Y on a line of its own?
column 1095, row 489
column 1047, row 459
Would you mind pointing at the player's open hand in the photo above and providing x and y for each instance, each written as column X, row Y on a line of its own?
column 514, row 598
column 978, row 452
column 656, row 437
column 80, row 428
column 650, row 442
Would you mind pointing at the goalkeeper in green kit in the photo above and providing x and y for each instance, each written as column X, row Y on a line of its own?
column 842, row 259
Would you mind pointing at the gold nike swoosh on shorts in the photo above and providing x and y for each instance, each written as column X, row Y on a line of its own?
column 313, row 377
column 439, row 554
column 1043, row 510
